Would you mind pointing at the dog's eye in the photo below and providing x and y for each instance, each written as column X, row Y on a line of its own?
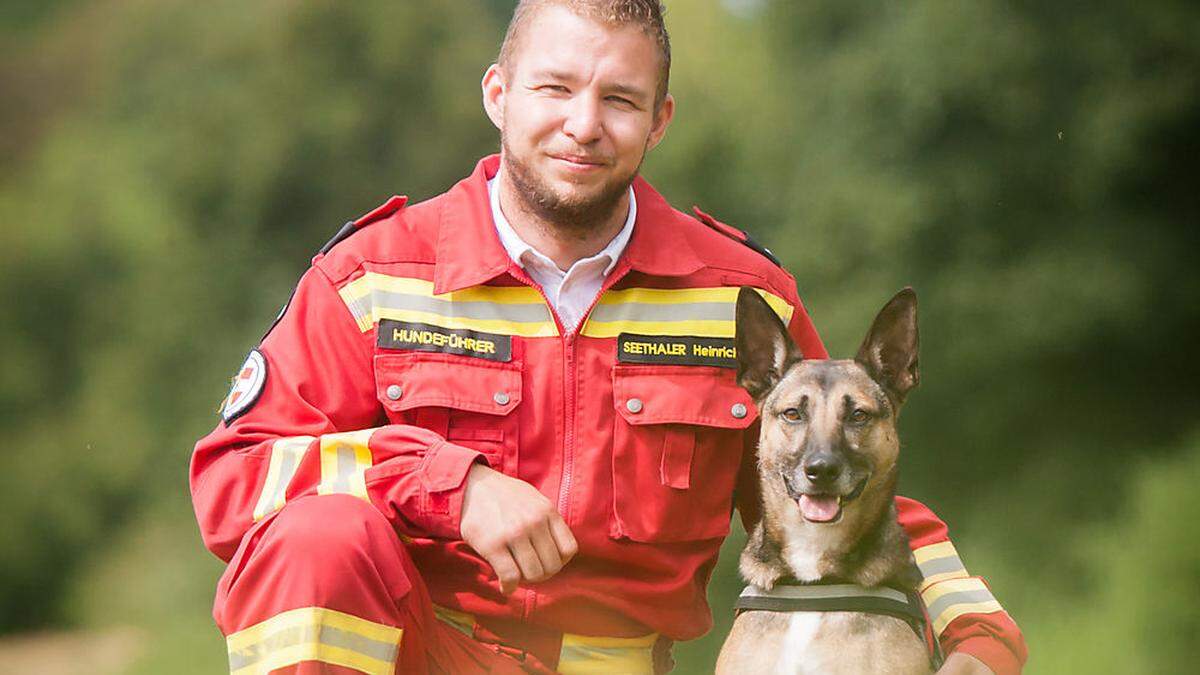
column 792, row 415
column 860, row 416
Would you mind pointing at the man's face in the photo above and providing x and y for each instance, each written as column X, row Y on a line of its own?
column 575, row 109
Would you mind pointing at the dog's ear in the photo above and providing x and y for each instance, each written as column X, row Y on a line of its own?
column 764, row 348
column 889, row 352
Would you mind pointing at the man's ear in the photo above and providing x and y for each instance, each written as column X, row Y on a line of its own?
column 889, row 352
column 494, row 88
column 764, row 348
column 662, row 119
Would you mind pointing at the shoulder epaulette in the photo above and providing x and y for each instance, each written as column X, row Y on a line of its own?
column 383, row 211
column 736, row 235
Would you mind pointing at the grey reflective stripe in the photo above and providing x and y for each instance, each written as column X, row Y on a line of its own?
column 648, row 311
column 824, row 591
column 346, row 466
column 958, row 598
column 484, row 311
column 318, row 634
column 287, row 470
column 941, row 566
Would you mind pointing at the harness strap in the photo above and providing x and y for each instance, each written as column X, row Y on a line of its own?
column 832, row 598
column 794, row 597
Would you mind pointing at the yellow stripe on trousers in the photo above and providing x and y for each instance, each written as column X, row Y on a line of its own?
column 582, row 654
column 314, row 634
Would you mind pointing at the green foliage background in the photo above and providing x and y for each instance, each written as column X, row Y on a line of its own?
column 167, row 169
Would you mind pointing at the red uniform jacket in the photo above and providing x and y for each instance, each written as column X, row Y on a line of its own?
column 417, row 347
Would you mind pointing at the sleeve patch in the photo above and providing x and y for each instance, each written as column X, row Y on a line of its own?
column 247, row 386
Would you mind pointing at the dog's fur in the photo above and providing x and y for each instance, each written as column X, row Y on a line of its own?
column 828, row 433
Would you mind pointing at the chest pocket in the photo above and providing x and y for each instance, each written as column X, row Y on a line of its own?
column 468, row 401
column 677, row 446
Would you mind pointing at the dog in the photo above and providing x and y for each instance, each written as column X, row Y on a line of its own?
column 828, row 543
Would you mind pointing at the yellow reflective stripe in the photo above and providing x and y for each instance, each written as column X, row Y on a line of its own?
column 939, row 562
column 954, row 611
column 947, row 600
column 702, row 312
column 286, row 454
column 314, row 634
column 586, row 654
column 602, row 642
column 504, row 295
column 345, row 457
column 685, row 296
column 508, row 310
column 941, row 549
column 581, row 654
column 611, row 329
column 503, row 327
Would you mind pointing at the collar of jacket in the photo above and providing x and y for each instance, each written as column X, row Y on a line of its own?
column 469, row 252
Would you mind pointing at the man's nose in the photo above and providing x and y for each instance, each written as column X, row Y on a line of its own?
column 583, row 123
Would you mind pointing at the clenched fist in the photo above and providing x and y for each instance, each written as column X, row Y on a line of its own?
column 514, row 527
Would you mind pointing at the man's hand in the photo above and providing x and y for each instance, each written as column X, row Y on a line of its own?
column 514, row 527
column 959, row 663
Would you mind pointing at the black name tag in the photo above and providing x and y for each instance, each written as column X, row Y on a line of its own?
column 676, row 350
column 423, row 337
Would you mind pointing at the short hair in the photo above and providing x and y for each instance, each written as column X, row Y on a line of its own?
column 644, row 14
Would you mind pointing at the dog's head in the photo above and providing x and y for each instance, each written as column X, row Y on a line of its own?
column 828, row 446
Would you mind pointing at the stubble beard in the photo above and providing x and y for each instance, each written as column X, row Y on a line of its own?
column 573, row 217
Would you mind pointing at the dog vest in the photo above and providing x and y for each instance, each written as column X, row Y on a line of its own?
column 791, row 596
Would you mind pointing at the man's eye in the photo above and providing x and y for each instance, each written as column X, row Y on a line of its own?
column 792, row 415
column 622, row 101
column 555, row 88
column 860, row 416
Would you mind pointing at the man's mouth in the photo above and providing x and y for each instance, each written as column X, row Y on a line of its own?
column 579, row 162
column 827, row 508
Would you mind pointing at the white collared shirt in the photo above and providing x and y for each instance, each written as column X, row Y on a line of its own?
column 571, row 292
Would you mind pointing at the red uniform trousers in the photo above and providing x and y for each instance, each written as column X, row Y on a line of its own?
column 337, row 552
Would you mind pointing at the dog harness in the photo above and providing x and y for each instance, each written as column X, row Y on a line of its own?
column 789, row 595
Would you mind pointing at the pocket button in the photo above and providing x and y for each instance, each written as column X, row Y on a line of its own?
column 738, row 410
column 394, row 392
column 634, row 405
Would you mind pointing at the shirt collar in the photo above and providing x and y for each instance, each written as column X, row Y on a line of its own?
column 520, row 251
column 469, row 251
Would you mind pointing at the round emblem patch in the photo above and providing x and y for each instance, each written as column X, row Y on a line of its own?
column 247, row 385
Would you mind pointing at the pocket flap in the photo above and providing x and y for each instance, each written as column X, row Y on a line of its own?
column 418, row 379
column 698, row 395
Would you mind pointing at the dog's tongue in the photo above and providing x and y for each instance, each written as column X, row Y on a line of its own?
column 819, row 508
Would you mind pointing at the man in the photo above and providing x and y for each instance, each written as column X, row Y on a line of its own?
column 450, row 455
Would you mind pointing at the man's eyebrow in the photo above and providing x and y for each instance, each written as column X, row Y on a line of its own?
column 557, row 75
column 628, row 90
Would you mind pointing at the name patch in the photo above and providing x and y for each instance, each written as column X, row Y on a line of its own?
column 423, row 337
column 676, row 350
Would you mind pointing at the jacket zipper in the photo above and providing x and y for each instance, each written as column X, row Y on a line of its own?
column 571, row 382
column 530, row 600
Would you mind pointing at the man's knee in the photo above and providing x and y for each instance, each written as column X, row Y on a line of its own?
column 332, row 546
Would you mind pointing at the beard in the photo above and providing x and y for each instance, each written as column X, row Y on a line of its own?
column 576, row 215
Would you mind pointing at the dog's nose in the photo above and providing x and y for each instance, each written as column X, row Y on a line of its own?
column 822, row 470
